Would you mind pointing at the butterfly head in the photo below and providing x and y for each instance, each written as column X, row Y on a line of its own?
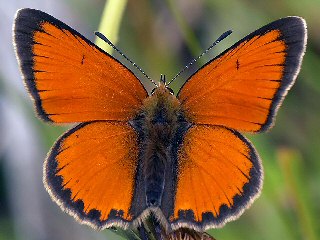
column 162, row 85
column 162, row 104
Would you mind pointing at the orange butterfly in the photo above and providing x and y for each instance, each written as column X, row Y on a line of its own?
column 181, row 157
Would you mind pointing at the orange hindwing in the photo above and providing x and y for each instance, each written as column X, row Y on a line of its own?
column 85, row 169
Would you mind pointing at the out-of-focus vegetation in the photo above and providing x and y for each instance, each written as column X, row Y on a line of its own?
column 162, row 37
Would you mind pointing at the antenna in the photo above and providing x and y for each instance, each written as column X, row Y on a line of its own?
column 223, row 36
column 104, row 38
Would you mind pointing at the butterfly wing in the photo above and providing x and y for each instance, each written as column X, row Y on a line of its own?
column 244, row 86
column 72, row 80
column 90, row 173
column 219, row 171
column 69, row 78
column 220, row 174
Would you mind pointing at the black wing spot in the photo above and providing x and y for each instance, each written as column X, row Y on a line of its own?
column 238, row 64
column 82, row 60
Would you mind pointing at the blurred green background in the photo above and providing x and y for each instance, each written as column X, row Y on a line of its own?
column 162, row 37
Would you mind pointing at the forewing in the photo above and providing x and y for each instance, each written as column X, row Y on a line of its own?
column 243, row 87
column 70, row 78
column 90, row 173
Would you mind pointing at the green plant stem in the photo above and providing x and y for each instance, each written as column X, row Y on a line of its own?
column 110, row 22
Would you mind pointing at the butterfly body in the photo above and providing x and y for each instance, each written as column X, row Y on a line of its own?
column 160, row 125
column 182, row 158
column 157, row 126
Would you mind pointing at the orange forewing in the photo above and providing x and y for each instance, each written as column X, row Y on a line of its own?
column 236, row 89
column 71, row 79
column 91, row 79
column 92, row 160
column 216, row 166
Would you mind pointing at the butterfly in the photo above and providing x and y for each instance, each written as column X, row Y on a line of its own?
column 179, row 157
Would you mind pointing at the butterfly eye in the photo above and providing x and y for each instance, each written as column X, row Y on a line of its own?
column 171, row 91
